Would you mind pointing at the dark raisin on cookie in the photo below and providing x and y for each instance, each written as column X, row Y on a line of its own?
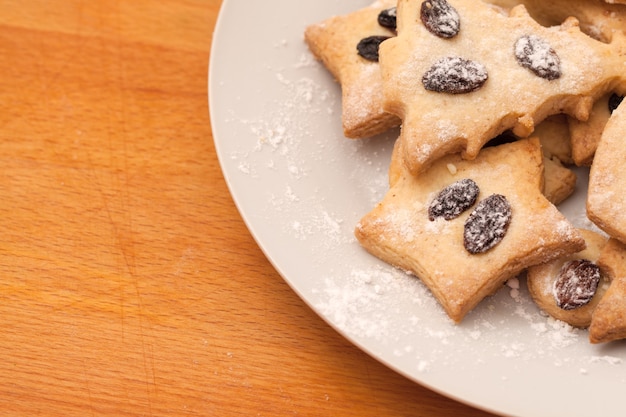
column 614, row 102
column 368, row 47
column 536, row 54
column 440, row 18
column 487, row 225
column 576, row 284
column 455, row 75
column 454, row 200
column 388, row 18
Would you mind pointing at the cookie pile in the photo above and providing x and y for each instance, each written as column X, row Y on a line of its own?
column 494, row 99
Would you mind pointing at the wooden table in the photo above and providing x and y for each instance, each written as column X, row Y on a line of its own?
column 129, row 284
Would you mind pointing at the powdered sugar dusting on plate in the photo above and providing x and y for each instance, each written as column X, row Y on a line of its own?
column 364, row 299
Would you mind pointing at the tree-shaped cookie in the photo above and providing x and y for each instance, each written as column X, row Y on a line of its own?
column 348, row 46
column 598, row 19
column 460, row 72
column 465, row 227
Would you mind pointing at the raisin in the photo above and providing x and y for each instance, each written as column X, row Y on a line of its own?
column 614, row 102
column 454, row 200
column 576, row 284
column 487, row 224
column 368, row 47
column 440, row 18
column 455, row 75
column 387, row 18
column 536, row 54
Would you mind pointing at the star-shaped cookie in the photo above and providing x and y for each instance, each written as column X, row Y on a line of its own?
column 472, row 72
column 399, row 230
column 334, row 42
column 559, row 181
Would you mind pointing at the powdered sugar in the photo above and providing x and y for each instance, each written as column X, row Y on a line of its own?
column 302, row 187
column 537, row 55
column 372, row 301
column 455, row 75
column 440, row 18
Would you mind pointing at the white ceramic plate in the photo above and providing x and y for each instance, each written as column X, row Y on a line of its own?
column 301, row 187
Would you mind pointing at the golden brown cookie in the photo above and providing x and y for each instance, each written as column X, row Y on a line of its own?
column 396, row 166
column 456, row 85
column 570, row 288
column 334, row 42
column 606, row 199
column 586, row 135
column 608, row 322
column 504, row 224
column 559, row 183
column 554, row 134
column 598, row 19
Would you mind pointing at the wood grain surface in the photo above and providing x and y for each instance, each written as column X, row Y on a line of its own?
column 129, row 285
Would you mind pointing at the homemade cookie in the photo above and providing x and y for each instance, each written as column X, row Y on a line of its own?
column 585, row 136
column 570, row 288
column 559, row 182
column 554, row 134
column 608, row 321
column 597, row 18
column 348, row 47
column 456, row 85
column 606, row 199
column 396, row 166
column 465, row 227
